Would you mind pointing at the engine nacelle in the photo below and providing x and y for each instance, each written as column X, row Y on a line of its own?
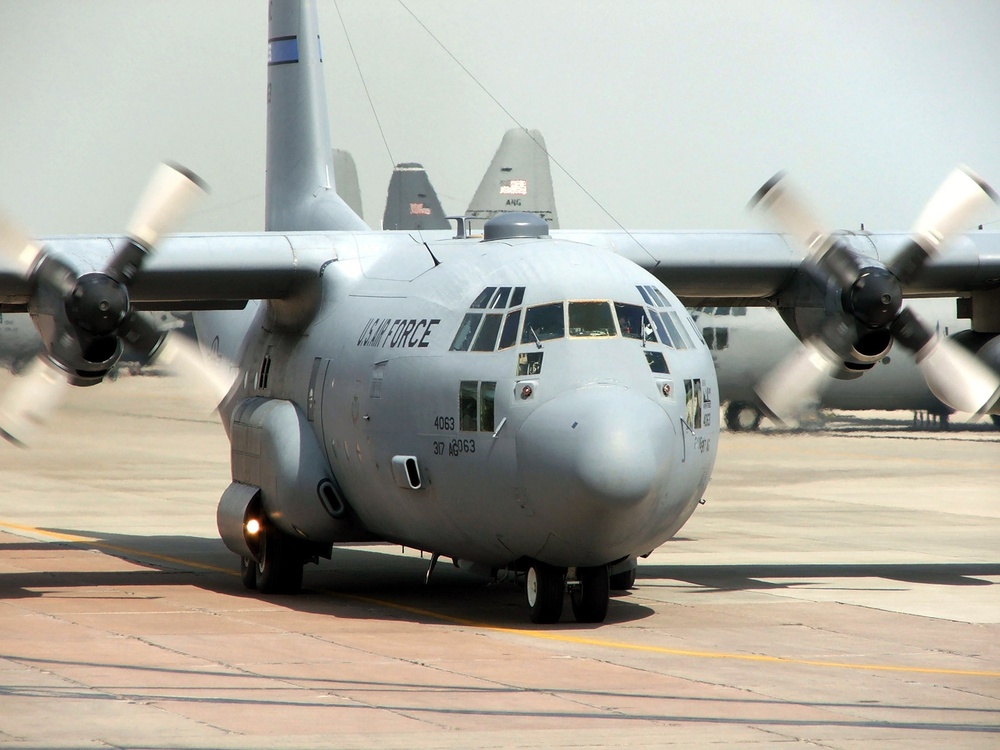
column 275, row 451
column 869, row 345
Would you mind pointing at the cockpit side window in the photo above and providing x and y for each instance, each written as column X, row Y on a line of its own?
column 510, row 326
column 543, row 322
column 465, row 332
column 499, row 300
column 631, row 319
column 487, row 338
column 591, row 319
column 483, row 298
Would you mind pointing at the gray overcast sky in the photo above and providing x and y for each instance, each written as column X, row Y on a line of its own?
column 670, row 113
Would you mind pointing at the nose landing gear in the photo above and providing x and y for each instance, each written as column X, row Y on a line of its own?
column 546, row 587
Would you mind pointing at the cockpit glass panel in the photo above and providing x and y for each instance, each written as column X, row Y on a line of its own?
column 658, row 296
column 543, row 322
column 673, row 318
column 645, row 295
column 487, row 338
column 661, row 331
column 509, row 335
column 465, row 332
column 677, row 337
column 483, row 298
column 631, row 319
column 657, row 362
column 518, row 297
column 499, row 300
column 591, row 319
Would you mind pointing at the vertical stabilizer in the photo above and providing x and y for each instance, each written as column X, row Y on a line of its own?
column 412, row 202
column 346, row 180
column 300, row 191
column 519, row 179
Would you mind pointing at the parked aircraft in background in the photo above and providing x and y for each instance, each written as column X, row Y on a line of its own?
column 518, row 180
column 530, row 402
column 744, row 342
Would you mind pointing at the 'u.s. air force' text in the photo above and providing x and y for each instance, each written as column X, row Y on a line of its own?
column 394, row 333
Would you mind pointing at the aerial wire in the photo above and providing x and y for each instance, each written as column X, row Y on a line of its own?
column 364, row 85
column 517, row 122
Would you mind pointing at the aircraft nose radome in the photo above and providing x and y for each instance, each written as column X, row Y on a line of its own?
column 599, row 449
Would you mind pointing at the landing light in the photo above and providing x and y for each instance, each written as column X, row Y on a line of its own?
column 253, row 527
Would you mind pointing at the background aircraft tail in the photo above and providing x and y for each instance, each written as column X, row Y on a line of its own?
column 518, row 179
column 411, row 202
column 300, row 188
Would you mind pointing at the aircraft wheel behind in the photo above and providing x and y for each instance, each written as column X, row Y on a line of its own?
column 590, row 598
column 996, row 420
column 624, row 581
column 280, row 568
column 546, row 588
column 248, row 573
column 742, row 417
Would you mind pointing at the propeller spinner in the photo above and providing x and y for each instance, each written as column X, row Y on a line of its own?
column 85, row 318
column 868, row 312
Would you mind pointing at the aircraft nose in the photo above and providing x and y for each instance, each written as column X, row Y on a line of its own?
column 598, row 449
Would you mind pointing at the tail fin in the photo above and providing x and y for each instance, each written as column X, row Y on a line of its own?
column 412, row 202
column 518, row 179
column 345, row 175
column 299, row 188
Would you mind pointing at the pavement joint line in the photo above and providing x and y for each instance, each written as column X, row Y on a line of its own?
column 521, row 632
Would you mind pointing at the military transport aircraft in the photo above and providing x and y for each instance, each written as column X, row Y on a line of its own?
column 745, row 340
column 532, row 402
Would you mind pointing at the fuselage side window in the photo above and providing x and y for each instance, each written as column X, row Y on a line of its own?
column 543, row 322
column 631, row 319
column 487, row 399
column 467, row 407
column 465, row 332
column 510, row 326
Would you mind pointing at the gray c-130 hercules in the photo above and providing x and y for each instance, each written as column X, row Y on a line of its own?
column 532, row 401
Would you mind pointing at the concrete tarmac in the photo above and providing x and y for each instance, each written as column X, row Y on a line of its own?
column 839, row 589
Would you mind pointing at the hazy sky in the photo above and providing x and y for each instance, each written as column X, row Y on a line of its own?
column 670, row 113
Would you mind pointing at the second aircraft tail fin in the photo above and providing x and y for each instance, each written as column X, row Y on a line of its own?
column 518, row 179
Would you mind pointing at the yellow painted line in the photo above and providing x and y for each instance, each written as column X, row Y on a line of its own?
column 544, row 635
column 128, row 551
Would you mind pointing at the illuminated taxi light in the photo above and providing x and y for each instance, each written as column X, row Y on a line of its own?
column 253, row 527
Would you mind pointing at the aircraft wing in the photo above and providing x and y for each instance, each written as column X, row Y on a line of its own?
column 196, row 271
column 213, row 271
column 753, row 268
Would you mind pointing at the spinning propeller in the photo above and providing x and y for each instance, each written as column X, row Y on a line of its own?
column 863, row 310
column 84, row 319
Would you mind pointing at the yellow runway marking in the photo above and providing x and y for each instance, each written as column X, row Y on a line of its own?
column 536, row 634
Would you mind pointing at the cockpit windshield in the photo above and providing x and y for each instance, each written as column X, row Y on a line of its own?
column 543, row 322
column 591, row 319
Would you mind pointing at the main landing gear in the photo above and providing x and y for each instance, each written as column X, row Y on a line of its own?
column 279, row 569
column 546, row 586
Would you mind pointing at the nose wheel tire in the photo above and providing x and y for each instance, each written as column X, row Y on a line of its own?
column 590, row 597
column 280, row 568
column 545, row 589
